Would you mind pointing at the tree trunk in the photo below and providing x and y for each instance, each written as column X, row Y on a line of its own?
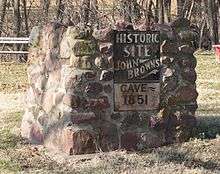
column 161, row 11
column 45, row 7
column 180, row 4
column 2, row 14
column 25, row 17
column 126, row 6
column 213, row 21
column 60, row 10
column 167, row 11
column 17, row 18
column 85, row 9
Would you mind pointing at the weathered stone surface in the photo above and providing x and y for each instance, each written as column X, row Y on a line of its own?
column 109, row 136
column 167, row 72
column 107, row 89
column 106, row 48
column 78, row 118
column 48, row 101
column 116, row 116
column 104, row 35
column 186, row 49
column 169, row 48
column 85, row 48
column 187, row 35
column 85, row 62
column 186, row 94
column 36, row 134
column 71, row 100
column 68, row 105
column 189, row 74
column 90, row 75
column 65, row 49
column 35, row 36
column 93, row 88
column 152, row 139
column 106, row 75
column 77, row 142
column 130, row 141
column 98, row 104
column 187, row 62
column 101, row 63
column 131, row 120
column 166, row 32
column 167, row 60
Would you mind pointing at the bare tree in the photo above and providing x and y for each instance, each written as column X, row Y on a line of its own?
column 45, row 6
column 17, row 18
column 60, row 10
column 213, row 20
column 2, row 14
column 25, row 16
column 85, row 10
column 167, row 10
column 161, row 11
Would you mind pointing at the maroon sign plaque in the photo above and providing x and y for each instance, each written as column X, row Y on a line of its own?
column 137, row 65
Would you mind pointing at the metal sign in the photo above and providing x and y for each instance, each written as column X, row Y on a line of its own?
column 136, row 56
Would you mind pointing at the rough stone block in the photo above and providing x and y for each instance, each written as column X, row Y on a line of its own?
column 104, row 35
column 98, row 104
column 169, row 48
column 93, row 88
column 186, row 49
column 71, row 100
column 78, row 142
column 189, row 75
column 106, row 75
column 78, row 118
column 65, row 49
column 85, row 62
column 85, row 48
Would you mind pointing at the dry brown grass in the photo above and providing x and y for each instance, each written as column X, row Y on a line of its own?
column 199, row 156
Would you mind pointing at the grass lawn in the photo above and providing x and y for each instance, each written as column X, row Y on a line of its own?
column 199, row 156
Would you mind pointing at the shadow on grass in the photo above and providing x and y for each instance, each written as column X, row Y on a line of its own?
column 208, row 127
column 9, row 140
column 177, row 157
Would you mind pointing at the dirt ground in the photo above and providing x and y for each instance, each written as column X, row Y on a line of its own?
column 201, row 155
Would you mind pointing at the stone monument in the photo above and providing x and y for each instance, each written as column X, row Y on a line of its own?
column 114, row 88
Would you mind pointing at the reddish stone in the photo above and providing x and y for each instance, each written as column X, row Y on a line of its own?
column 107, row 89
column 78, row 118
column 94, row 88
column 169, row 48
column 100, row 103
column 36, row 134
column 189, row 74
column 184, row 94
column 130, row 141
column 77, row 142
column 90, row 75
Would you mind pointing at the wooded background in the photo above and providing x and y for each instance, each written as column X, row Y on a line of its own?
column 17, row 17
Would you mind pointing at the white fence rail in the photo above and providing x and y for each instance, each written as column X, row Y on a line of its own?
column 13, row 41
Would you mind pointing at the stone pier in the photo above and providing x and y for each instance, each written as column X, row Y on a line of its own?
column 70, row 105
